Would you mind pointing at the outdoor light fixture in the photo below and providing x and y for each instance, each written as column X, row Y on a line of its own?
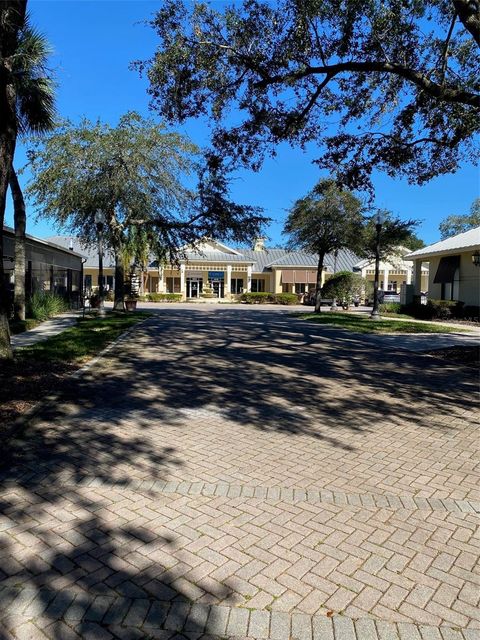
column 476, row 258
column 100, row 221
column 379, row 220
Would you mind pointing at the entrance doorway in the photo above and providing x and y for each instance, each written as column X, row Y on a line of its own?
column 218, row 288
column 194, row 287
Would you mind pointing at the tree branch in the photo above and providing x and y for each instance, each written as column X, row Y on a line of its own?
column 469, row 14
column 446, row 46
column 431, row 88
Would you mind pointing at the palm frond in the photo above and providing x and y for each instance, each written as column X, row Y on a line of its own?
column 35, row 87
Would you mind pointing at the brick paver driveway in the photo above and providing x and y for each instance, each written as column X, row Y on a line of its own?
column 238, row 472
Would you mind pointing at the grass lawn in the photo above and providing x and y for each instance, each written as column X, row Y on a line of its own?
column 41, row 369
column 363, row 324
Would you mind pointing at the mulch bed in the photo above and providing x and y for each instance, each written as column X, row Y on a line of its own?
column 469, row 355
column 23, row 383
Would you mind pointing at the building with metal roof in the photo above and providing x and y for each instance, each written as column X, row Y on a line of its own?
column 454, row 272
column 49, row 266
column 228, row 271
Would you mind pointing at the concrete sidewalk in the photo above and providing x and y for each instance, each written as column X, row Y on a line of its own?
column 46, row 330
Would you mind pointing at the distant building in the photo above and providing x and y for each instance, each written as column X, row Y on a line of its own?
column 49, row 266
column 454, row 268
column 229, row 272
column 394, row 272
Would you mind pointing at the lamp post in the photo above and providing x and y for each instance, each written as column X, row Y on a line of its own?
column 100, row 221
column 334, row 300
column 375, row 315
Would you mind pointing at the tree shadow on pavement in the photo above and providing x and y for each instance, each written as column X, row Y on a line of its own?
column 84, row 533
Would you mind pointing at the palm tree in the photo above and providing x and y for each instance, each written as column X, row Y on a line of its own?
column 12, row 19
column 35, row 113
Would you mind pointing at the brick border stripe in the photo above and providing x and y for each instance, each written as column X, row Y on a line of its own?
column 277, row 494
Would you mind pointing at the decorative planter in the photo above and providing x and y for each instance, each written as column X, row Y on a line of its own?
column 130, row 305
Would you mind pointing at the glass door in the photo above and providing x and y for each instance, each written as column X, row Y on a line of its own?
column 218, row 288
column 194, row 287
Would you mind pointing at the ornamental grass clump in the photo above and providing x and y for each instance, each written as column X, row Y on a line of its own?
column 43, row 305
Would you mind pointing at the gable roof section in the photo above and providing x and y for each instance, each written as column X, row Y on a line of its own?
column 213, row 256
column 209, row 246
column 461, row 242
column 51, row 242
column 87, row 251
column 268, row 258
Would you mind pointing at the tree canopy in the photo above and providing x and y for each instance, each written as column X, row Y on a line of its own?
column 387, row 85
column 394, row 234
column 326, row 220
column 137, row 174
column 454, row 224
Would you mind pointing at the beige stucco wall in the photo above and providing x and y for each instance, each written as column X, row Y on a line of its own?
column 467, row 287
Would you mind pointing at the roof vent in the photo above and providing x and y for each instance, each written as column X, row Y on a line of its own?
column 70, row 246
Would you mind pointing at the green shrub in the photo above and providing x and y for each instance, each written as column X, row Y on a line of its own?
column 435, row 310
column 471, row 312
column 391, row 307
column 344, row 286
column 286, row 298
column 256, row 298
column 444, row 309
column 164, row 297
column 43, row 305
column 19, row 326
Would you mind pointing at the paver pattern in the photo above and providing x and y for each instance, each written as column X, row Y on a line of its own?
column 239, row 473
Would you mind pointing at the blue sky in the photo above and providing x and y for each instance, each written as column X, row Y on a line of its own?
column 94, row 42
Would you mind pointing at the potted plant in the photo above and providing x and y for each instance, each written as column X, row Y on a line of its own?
column 131, row 302
column 95, row 301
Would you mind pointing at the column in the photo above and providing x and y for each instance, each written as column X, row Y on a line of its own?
column 161, row 280
column 182, row 281
column 385, row 278
column 228, row 281
column 417, row 279
column 277, row 281
column 249, row 278
column 409, row 273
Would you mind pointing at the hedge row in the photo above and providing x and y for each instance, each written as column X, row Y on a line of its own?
column 269, row 298
column 434, row 310
column 164, row 297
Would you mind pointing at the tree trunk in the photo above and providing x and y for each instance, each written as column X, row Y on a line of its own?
column 20, row 228
column 318, row 290
column 119, row 304
column 12, row 18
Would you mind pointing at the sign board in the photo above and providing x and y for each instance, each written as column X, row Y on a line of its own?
column 215, row 275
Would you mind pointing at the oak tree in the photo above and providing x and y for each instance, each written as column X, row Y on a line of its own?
column 455, row 224
column 391, row 86
column 327, row 219
column 138, row 175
